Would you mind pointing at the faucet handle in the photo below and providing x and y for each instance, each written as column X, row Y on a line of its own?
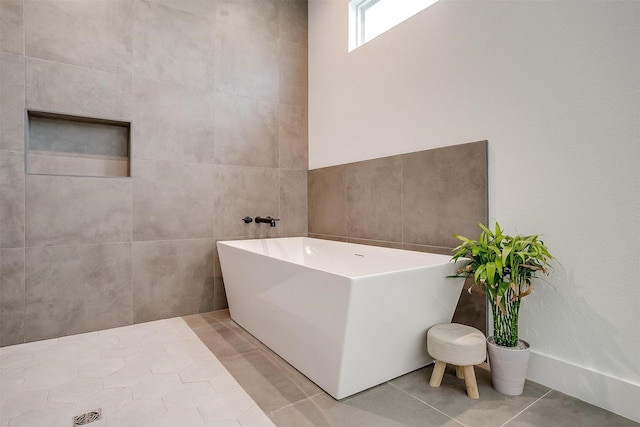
column 247, row 219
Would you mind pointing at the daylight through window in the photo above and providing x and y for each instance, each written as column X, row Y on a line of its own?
column 370, row 18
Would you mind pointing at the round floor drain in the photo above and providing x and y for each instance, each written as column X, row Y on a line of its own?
column 89, row 417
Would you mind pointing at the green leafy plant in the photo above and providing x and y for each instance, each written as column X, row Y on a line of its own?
column 502, row 268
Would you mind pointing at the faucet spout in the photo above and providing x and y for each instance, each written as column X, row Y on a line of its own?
column 267, row 220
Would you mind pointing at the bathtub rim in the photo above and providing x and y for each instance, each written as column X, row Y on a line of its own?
column 446, row 259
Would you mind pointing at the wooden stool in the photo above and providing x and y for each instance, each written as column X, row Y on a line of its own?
column 459, row 345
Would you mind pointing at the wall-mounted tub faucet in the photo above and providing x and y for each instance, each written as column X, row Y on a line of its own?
column 267, row 220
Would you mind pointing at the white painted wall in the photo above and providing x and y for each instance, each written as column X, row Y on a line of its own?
column 555, row 89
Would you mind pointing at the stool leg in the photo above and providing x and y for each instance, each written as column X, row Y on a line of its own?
column 470, row 382
column 436, row 375
column 459, row 372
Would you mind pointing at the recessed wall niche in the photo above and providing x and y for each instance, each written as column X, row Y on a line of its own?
column 60, row 144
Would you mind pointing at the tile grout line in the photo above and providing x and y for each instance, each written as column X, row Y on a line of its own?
column 309, row 398
column 525, row 409
column 402, row 201
column 291, row 404
column 422, row 401
column 319, row 408
column 131, row 170
column 24, row 188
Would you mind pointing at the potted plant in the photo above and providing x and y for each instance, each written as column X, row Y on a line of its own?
column 502, row 268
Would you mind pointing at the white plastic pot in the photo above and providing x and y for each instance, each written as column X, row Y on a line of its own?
column 508, row 367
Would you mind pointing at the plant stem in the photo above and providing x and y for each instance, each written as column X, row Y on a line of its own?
column 505, row 324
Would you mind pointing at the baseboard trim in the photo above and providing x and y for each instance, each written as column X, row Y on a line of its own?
column 607, row 392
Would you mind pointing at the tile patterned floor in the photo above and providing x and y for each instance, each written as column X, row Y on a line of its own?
column 204, row 370
column 151, row 374
column 291, row 400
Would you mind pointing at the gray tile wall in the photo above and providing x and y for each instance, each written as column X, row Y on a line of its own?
column 415, row 201
column 216, row 92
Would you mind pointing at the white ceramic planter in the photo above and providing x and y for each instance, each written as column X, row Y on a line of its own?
column 508, row 367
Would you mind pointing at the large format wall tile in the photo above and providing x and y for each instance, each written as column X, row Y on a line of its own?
column 246, row 63
column 62, row 210
column 11, row 296
column 444, row 195
column 374, row 199
column 202, row 8
column 11, row 26
column 11, row 101
column 172, row 278
column 76, row 289
column 172, row 122
column 259, row 16
column 172, row 45
column 293, row 74
column 293, row 202
column 245, row 191
column 293, row 21
column 11, row 199
column 93, row 34
column 80, row 91
column 327, row 192
column 172, row 200
column 293, row 137
column 418, row 199
column 246, row 132
column 169, row 67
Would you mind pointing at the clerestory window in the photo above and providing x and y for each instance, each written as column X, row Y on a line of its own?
column 370, row 18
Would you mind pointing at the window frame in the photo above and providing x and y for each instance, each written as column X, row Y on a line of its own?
column 359, row 8
column 357, row 20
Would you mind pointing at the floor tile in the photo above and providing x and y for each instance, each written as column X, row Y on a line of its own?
column 46, row 378
column 188, row 395
column 109, row 400
column 390, row 403
column 45, row 416
column 196, row 320
column 222, row 341
column 492, row 409
column 10, row 386
column 75, row 390
column 225, row 406
column 200, row 372
column 301, row 414
column 20, row 402
column 155, row 386
column 264, row 380
column 404, row 401
column 171, row 363
column 560, row 410
column 100, row 367
column 360, row 412
column 178, row 417
column 225, row 382
column 151, row 374
column 137, row 413
column 254, row 417
column 144, row 356
column 301, row 381
column 166, row 373
column 128, row 377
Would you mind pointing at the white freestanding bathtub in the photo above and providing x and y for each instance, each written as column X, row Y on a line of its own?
column 347, row 316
